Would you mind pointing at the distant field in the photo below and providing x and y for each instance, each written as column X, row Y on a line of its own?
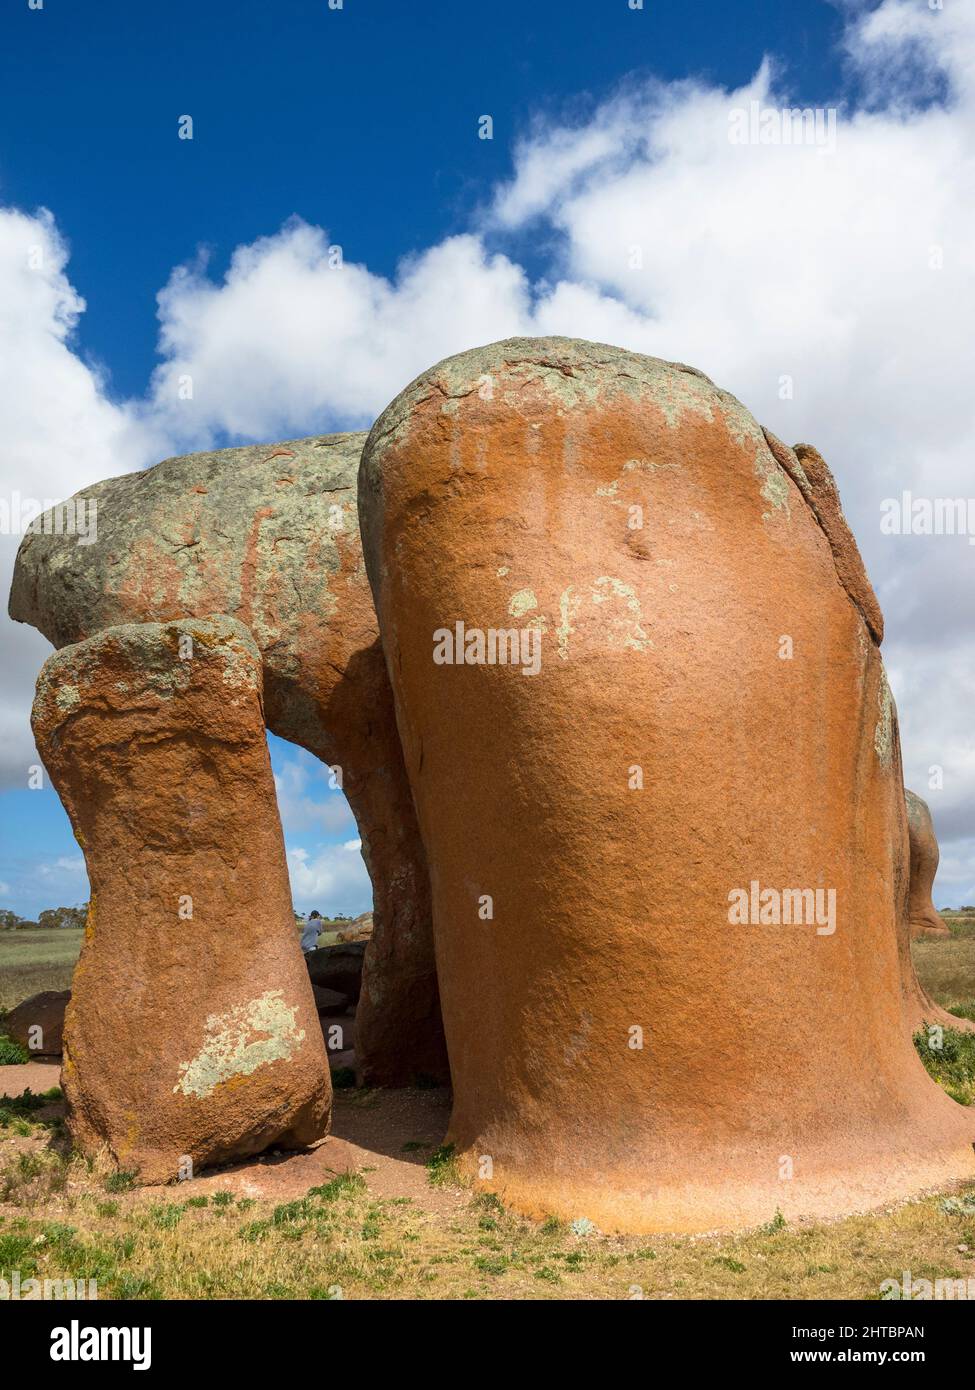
column 36, row 959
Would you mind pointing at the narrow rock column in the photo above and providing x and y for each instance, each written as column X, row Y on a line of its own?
column 922, row 915
column 654, row 759
column 192, row 1036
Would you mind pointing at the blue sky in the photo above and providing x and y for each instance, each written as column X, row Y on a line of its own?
column 359, row 127
column 362, row 120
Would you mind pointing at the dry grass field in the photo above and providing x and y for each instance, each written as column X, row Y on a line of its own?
column 395, row 1222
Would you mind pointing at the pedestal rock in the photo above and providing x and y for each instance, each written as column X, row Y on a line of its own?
column 191, row 1036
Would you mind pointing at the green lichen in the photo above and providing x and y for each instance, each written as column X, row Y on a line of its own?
column 775, row 484
column 627, row 633
column 883, row 738
column 238, row 1042
column 522, row 602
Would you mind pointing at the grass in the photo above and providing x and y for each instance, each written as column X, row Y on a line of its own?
column 36, row 959
column 12, row 1053
column 340, row 1240
column 946, row 968
column 61, row 1217
column 950, row 1059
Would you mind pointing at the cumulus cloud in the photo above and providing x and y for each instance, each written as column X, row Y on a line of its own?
column 332, row 879
column 60, row 431
column 830, row 288
column 294, row 340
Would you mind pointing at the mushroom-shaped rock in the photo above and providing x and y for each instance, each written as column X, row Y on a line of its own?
column 655, row 762
column 191, row 1036
column 269, row 534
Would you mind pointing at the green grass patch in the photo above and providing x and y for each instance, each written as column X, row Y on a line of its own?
column 12, row 1054
column 949, row 1057
column 442, row 1167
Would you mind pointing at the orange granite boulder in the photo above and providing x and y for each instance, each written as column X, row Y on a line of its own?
column 655, row 763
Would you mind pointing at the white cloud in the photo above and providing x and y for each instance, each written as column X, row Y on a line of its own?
column 300, row 811
column 65, row 864
column 758, row 263
column 288, row 343
column 332, row 879
column 60, row 431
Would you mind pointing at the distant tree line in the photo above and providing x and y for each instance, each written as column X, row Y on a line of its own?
column 51, row 917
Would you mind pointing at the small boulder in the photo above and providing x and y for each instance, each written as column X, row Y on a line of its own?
column 338, row 968
column 38, row 1022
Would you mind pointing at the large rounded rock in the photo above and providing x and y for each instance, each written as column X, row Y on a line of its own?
column 655, row 761
column 269, row 534
column 192, row 1035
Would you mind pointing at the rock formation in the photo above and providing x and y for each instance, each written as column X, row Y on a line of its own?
column 191, row 1036
column 269, row 535
column 37, row 1023
column 922, row 915
column 655, row 762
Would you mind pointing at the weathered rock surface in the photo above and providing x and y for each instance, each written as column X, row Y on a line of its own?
column 37, row 1023
column 329, row 1001
column 192, row 1031
column 710, row 712
column 338, row 967
column 922, row 915
column 269, row 535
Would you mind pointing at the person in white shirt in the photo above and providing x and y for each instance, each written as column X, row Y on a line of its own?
column 310, row 932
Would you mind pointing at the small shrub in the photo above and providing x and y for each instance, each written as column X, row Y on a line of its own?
column 121, row 1181
column 12, row 1054
column 442, row 1166
column 952, row 1064
column 166, row 1215
column 345, row 1185
column 776, row 1224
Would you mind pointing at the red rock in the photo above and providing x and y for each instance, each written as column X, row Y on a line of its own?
column 922, row 915
column 192, row 1031
column 710, row 712
column 269, row 535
